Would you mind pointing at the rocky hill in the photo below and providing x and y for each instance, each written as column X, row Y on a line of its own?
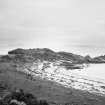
column 99, row 59
column 47, row 54
column 67, row 60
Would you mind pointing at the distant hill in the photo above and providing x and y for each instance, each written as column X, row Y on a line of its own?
column 48, row 54
column 72, row 57
column 66, row 59
column 42, row 54
column 99, row 59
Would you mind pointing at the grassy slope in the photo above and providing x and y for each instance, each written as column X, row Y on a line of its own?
column 44, row 89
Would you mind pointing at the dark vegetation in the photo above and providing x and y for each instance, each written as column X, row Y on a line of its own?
column 103, row 87
column 19, row 97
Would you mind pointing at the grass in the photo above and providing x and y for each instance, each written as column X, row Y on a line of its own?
column 44, row 89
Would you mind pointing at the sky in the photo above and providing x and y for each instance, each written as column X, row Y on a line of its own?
column 76, row 26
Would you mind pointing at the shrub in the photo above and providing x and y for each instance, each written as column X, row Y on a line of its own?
column 19, row 96
column 43, row 102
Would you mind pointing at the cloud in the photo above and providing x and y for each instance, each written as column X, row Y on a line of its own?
column 58, row 24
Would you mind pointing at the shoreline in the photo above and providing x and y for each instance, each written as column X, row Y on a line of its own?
column 68, row 79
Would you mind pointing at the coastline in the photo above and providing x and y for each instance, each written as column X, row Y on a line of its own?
column 68, row 78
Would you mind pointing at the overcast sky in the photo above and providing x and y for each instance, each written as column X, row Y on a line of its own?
column 71, row 25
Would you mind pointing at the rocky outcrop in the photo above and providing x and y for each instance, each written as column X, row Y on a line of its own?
column 67, row 60
column 99, row 59
column 72, row 57
column 49, row 55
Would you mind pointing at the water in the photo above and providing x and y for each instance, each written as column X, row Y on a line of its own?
column 93, row 71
